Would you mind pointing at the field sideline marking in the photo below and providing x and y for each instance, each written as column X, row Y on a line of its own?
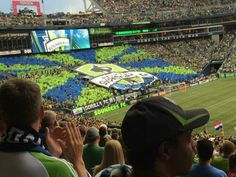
column 221, row 103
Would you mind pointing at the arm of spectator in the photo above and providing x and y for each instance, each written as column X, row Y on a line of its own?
column 73, row 149
column 194, row 147
column 53, row 145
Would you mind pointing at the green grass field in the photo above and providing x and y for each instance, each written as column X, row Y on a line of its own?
column 218, row 97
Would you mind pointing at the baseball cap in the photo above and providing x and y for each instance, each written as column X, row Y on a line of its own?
column 92, row 133
column 156, row 119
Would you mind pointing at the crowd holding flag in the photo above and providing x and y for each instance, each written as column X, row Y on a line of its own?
column 218, row 126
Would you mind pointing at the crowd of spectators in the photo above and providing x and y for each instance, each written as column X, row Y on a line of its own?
column 56, row 127
column 226, row 52
column 229, row 65
column 130, row 11
column 166, row 60
column 224, row 48
column 224, row 147
column 11, row 20
column 166, row 10
column 195, row 53
column 192, row 54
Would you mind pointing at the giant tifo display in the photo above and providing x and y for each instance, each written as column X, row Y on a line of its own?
column 99, row 68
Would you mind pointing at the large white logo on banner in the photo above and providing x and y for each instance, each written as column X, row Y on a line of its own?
column 112, row 78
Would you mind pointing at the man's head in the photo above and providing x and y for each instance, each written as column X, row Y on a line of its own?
column 20, row 102
column 92, row 135
column 205, row 149
column 102, row 130
column 157, row 130
column 49, row 120
column 228, row 148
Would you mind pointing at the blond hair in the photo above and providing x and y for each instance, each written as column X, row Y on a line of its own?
column 49, row 120
column 113, row 154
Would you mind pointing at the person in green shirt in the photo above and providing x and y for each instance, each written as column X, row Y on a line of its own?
column 222, row 161
column 92, row 152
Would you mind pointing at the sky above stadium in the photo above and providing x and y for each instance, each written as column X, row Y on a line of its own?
column 50, row 6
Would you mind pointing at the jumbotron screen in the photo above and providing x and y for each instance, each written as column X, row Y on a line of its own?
column 59, row 40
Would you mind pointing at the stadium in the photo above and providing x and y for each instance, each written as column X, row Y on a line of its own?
column 93, row 66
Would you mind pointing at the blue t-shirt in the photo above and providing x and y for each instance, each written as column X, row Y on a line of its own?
column 199, row 170
column 116, row 170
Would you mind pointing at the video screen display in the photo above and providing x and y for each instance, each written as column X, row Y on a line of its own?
column 59, row 40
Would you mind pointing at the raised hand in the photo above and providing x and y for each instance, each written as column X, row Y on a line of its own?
column 73, row 149
column 53, row 144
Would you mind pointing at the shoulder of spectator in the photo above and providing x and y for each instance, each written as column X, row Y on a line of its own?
column 116, row 170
